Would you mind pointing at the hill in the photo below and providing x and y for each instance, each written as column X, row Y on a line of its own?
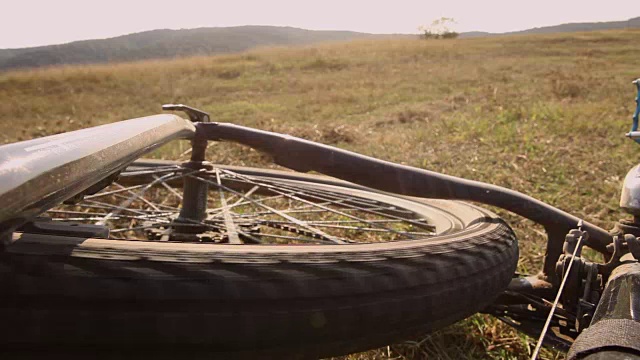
column 541, row 114
column 163, row 44
column 564, row 28
column 159, row 44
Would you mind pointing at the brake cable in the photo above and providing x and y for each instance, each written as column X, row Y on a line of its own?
column 543, row 333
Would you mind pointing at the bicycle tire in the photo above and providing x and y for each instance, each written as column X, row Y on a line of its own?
column 123, row 298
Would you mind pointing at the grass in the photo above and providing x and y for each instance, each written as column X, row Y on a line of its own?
column 544, row 115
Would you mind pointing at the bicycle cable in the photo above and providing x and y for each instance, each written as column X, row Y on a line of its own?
column 543, row 333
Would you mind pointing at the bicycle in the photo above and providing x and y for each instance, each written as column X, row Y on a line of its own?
column 105, row 253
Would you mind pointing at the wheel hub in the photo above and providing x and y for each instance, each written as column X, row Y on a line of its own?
column 207, row 231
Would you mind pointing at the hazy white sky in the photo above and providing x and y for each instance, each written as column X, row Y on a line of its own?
column 42, row 22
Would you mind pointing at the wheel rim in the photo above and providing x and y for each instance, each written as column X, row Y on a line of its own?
column 145, row 204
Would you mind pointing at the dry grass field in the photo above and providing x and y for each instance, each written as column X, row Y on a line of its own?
column 544, row 115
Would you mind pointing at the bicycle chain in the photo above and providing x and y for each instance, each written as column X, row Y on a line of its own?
column 292, row 229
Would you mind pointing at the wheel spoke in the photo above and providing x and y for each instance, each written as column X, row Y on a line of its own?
column 158, row 170
column 326, row 208
column 111, row 207
column 140, row 197
column 298, row 222
column 122, row 189
column 232, row 233
column 166, row 186
column 375, row 211
column 239, row 202
column 69, row 212
column 125, row 204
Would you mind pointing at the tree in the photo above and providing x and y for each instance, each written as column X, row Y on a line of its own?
column 439, row 29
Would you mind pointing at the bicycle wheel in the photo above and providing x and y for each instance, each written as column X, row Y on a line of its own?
column 284, row 265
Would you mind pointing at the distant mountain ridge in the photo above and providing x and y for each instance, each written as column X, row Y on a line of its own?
column 570, row 27
column 165, row 43
column 162, row 44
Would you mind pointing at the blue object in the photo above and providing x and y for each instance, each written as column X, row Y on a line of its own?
column 636, row 114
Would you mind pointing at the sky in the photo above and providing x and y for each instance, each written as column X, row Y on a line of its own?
column 27, row 23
